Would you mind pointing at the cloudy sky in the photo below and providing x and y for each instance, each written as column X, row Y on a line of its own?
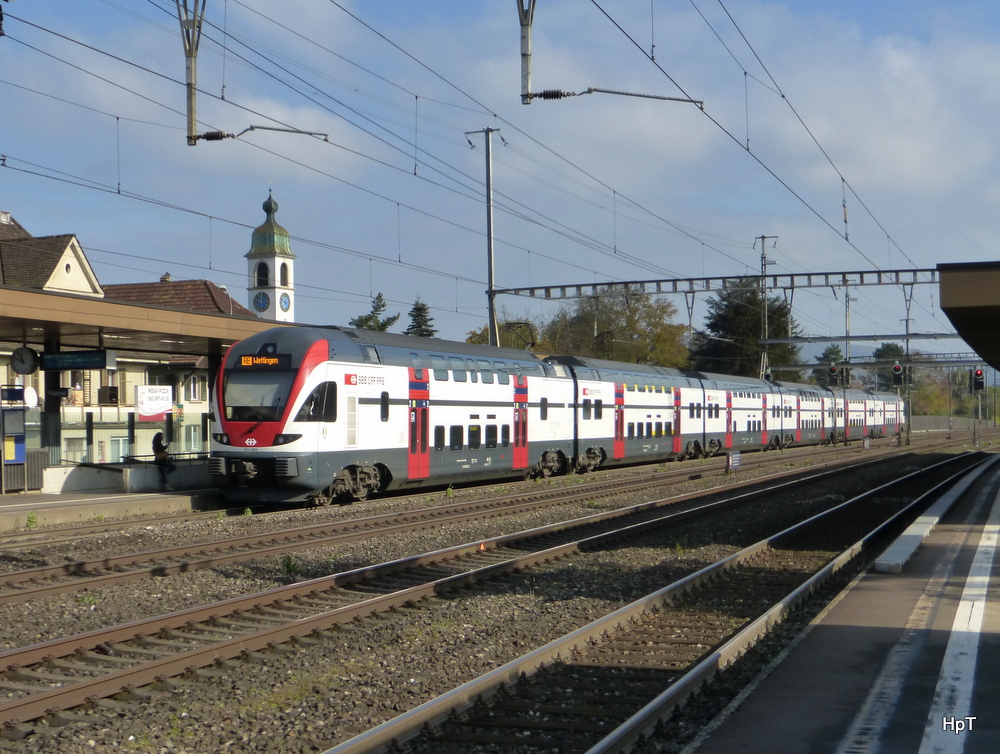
column 808, row 106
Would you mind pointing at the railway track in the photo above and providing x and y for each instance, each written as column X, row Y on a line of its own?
column 63, row 673
column 13, row 540
column 45, row 581
column 608, row 685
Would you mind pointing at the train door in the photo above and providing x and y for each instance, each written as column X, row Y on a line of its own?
column 798, row 418
column 763, row 420
column 520, row 457
column 729, row 419
column 418, row 453
column 678, row 446
column 618, row 450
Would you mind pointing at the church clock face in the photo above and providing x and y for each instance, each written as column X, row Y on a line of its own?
column 284, row 302
column 261, row 301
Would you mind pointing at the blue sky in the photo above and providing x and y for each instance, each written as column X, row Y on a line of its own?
column 898, row 99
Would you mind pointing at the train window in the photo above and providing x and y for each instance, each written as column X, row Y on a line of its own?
column 440, row 368
column 439, row 437
column 649, row 429
column 473, row 374
column 503, row 377
column 638, row 430
column 475, row 436
column 543, row 409
column 691, row 410
column 457, row 437
column 321, row 405
column 505, row 435
column 586, row 408
column 642, row 388
column 418, row 369
column 491, row 435
column 486, row 370
column 384, row 404
column 658, row 429
column 598, row 408
column 631, row 430
column 457, row 369
column 371, row 354
column 668, row 428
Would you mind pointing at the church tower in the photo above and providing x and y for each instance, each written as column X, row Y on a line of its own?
column 269, row 264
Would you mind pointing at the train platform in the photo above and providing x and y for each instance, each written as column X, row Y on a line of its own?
column 903, row 662
column 19, row 511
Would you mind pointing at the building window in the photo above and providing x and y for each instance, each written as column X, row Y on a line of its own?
column 192, row 438
column 284, row 274
column 262, row 276
column 196, row 388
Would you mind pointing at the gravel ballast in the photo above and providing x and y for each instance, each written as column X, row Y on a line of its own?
column 307, row 698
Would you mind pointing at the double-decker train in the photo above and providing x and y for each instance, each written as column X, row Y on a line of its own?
column 330, row 413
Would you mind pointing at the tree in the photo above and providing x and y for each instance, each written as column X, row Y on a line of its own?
column 730, row 342
column 513, row 334
column 420, row 321
column 374, row 320
column 631, row 327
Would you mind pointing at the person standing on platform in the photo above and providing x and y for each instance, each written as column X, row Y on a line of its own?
column 162, row 459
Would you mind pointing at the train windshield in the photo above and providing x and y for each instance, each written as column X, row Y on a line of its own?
column 257, row 396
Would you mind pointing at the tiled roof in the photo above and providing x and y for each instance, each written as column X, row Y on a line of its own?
column 11, row 228
column 189, row 295
column 28, row 262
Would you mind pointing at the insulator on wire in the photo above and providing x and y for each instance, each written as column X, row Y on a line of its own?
column 214, row 135
column 553, row 94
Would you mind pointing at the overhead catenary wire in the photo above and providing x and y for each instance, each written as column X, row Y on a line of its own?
column 618, row 198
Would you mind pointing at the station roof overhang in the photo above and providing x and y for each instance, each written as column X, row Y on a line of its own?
column 40, row 319
column 970, row 297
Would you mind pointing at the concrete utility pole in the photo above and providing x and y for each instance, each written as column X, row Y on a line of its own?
column 764, row 262
column 191, row 33
column 526, row 14
column 491, row 296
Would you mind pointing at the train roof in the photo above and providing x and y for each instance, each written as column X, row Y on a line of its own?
column 355, row 344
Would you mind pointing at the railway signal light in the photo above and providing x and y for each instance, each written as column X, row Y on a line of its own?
column 833, row 371
column 978, row 380
column 897, row 374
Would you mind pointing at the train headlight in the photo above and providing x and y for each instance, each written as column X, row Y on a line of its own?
column 221, row 437
column 285, row 439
